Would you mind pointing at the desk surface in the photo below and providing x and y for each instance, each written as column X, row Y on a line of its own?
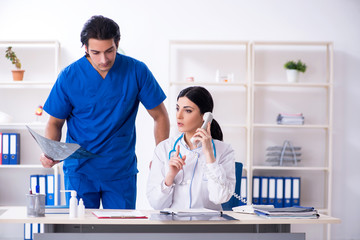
column 18, row 215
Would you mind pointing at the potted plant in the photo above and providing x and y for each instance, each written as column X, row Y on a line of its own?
column 293, row 68
column 18, row 73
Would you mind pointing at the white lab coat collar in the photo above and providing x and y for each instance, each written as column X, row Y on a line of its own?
column 184, row 144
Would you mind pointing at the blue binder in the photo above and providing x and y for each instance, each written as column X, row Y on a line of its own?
column 295, row 200
column 27, row 231
column 14, row 148
column 287, row 191
column 264, row 196
column 279, row 195
column 256, row 190
column 42, row 184
column 50, row 190
column 272, row 190
column 0, row 148
column 34, row 181
column 243, row 190
column 5, row 148
column 35, row 229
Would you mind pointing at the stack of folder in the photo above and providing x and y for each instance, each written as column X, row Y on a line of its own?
column 281, row 155
column 290, row 118
column 277, row 191
column 46, row 185
column 31, row 228
column 287, row 212
column 9, row 148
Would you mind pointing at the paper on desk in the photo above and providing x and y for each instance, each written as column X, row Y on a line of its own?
column 58, row 150
column 287, row 212
column 119, row 214
column 191, row 212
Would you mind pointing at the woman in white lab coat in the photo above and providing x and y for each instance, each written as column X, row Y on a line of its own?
column 184, row 175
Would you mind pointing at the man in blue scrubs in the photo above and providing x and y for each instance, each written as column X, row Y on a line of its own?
column 98, row 96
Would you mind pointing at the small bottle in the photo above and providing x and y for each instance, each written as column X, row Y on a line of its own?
column 73, row 203
column 81, row 209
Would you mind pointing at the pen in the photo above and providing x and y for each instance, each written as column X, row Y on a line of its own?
column 37, row 203
column 165, row 212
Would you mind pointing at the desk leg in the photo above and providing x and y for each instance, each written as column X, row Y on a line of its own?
column 274, row 228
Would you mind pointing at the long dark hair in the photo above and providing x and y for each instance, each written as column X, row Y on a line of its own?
column 100, row 28
column 203, row 99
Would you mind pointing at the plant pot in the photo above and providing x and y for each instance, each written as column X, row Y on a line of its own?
column 292, row 75
column 18, row 74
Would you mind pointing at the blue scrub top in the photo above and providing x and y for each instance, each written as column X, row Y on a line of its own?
column 101, row 113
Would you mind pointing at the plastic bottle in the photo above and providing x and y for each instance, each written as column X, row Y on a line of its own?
column 73, row 203
column 81, row 209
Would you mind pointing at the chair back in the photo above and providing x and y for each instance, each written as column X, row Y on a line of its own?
column 234, row 202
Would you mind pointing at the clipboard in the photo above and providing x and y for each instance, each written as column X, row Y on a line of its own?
column 119, row 214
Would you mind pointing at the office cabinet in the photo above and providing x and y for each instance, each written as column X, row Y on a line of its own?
column 222, row 68
column 19, row 100
column 247, row 106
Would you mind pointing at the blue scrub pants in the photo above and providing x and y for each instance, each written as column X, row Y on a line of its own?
column 116, row 194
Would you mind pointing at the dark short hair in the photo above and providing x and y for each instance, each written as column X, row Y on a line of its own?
column 100, row 28
column 203, row 99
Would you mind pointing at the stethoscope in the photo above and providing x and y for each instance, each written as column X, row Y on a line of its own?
column 197, row 159
column 179, row 138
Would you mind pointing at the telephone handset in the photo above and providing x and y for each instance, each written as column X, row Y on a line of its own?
column 208, row 117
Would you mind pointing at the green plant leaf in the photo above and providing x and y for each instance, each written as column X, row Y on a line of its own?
column 300, row 66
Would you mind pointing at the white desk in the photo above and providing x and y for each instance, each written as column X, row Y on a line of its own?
column 59, row 226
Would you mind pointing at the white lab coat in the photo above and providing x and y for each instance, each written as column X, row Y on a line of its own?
column 205, row 192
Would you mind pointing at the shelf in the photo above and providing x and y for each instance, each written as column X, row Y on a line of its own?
column 222, row 125
column 27, row 43
column 292, row 43
column 234, row 126
column 282, row 168
column 257, row 125
column 187, row 42
column 22, row 125
column 30, row 166
column 282, row 84
column 208, row 84
column 26, row 84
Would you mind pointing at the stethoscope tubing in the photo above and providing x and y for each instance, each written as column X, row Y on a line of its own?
column 197, row 159
column 179, row 138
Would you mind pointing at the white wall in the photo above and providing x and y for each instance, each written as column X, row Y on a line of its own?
column 147, row 26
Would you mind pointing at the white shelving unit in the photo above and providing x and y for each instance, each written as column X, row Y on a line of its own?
column 19, row 99
column 312, row 96
column 201, row 60
column 261, row 81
